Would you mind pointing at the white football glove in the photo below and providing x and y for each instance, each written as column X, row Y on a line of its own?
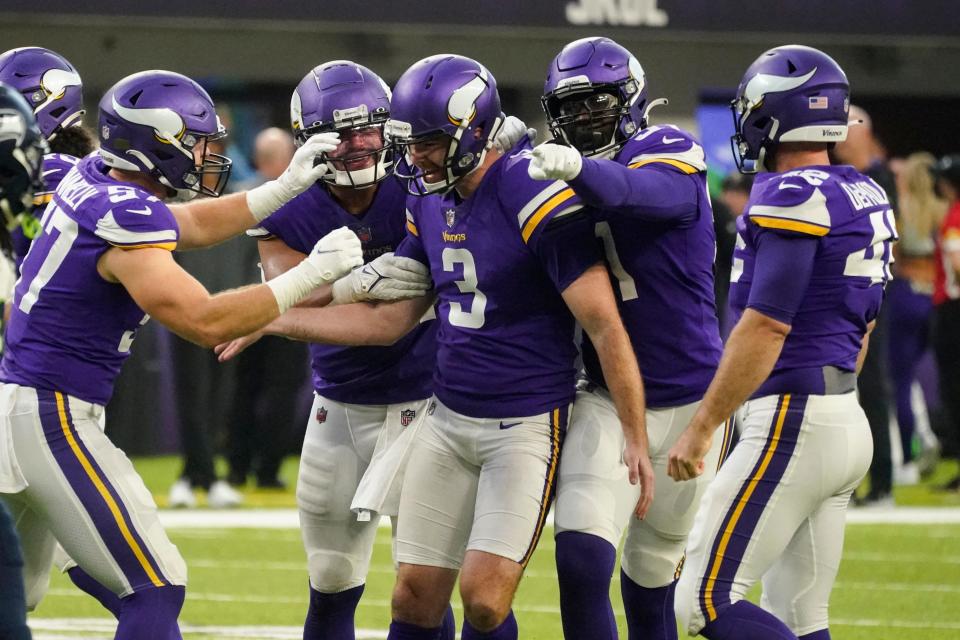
column 551, row 161
column 332, row 257
column 388, row 277
column 511, row 132
column 299, row 175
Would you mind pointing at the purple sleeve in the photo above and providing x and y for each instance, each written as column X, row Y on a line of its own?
column 411, row 247
column 567, row 247
column 655, row 191
column 781, row 274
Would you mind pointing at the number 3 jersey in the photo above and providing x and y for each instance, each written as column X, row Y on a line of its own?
column 851, row 217
column 499, row 260
column 70, row 330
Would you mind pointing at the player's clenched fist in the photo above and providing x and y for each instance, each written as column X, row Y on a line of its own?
column 552, row 161
column 335, row 254
column 389, row 277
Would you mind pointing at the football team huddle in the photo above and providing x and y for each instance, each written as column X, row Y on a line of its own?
column 495, row 328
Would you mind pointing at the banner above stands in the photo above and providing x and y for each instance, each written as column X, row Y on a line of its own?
column 853, row 17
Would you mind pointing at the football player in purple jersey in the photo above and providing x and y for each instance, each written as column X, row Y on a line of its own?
column 52, row 87
column 365, row 396
column 812, row 259
column 647, row 189
column 511, row 276
column 21, row 151
column 101, row 267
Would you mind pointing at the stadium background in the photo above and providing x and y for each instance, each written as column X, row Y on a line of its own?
column 901, row 56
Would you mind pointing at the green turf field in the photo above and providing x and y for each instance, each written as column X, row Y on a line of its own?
column 897, row 581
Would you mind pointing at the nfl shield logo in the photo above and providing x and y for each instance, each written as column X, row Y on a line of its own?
column 407, row 416
column 451, row 215
column 363, row 233
column 322, row 415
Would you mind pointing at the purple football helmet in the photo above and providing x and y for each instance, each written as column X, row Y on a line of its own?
column 22, row 146
column 789, row 94
column 346, row 97
column 448, row 95
column 50, row 85
column 595, row 96
column 160, row 123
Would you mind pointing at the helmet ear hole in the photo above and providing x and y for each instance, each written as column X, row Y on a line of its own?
column 761, row 123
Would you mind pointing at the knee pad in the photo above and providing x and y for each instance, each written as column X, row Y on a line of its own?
column 336, row 571
column 652, row 558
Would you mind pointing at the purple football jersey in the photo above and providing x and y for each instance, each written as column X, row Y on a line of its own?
column 70, row 330
column 851, row 216
column 359, row 375
column 499, row 261
column 662, row 267
column 55, row 167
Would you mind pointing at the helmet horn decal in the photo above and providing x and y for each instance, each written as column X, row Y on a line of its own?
column 763, row 83
column 462, row 106
column 166, row 122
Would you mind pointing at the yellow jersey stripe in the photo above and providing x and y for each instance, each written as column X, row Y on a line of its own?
column 169, row 246
column 751, row 487
column 412, row 228
column 790, row 225
column 43, row 198
column 543, row 211
column 678, row 164
column 547, row 498
column 104, row 493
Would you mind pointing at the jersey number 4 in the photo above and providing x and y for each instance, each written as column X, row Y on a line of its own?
column 877, row 266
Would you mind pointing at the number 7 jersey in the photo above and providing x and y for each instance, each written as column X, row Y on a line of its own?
column 499, row 261
column 851, row 216
column 70, row 330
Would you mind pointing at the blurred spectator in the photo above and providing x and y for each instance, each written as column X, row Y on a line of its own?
column 271, row 373
column 734, row 194
column 909, row 302
column 864, row 152
column 203, row 387
column 946, row 300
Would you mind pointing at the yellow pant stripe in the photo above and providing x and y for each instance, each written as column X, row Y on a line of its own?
column 98, row 483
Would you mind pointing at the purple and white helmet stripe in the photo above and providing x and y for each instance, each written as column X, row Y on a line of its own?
column 50, row 85
column 596, row 67
column 445, row 94
column 789, row 94
column 344, row 96
column 151, row 122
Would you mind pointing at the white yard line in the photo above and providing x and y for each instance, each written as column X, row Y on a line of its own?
column 54, row 628
column 288, row 518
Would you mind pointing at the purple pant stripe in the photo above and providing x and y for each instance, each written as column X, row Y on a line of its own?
column 93, row 501
column 740, row 537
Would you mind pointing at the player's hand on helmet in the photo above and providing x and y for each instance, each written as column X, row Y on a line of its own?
column 231, row 349
column 335, row 255
column 303, row 170
column 386, row 278
column 636, row 456
column 297, row 178
column 511, row 132
column 685, row 459
column 551, row 161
